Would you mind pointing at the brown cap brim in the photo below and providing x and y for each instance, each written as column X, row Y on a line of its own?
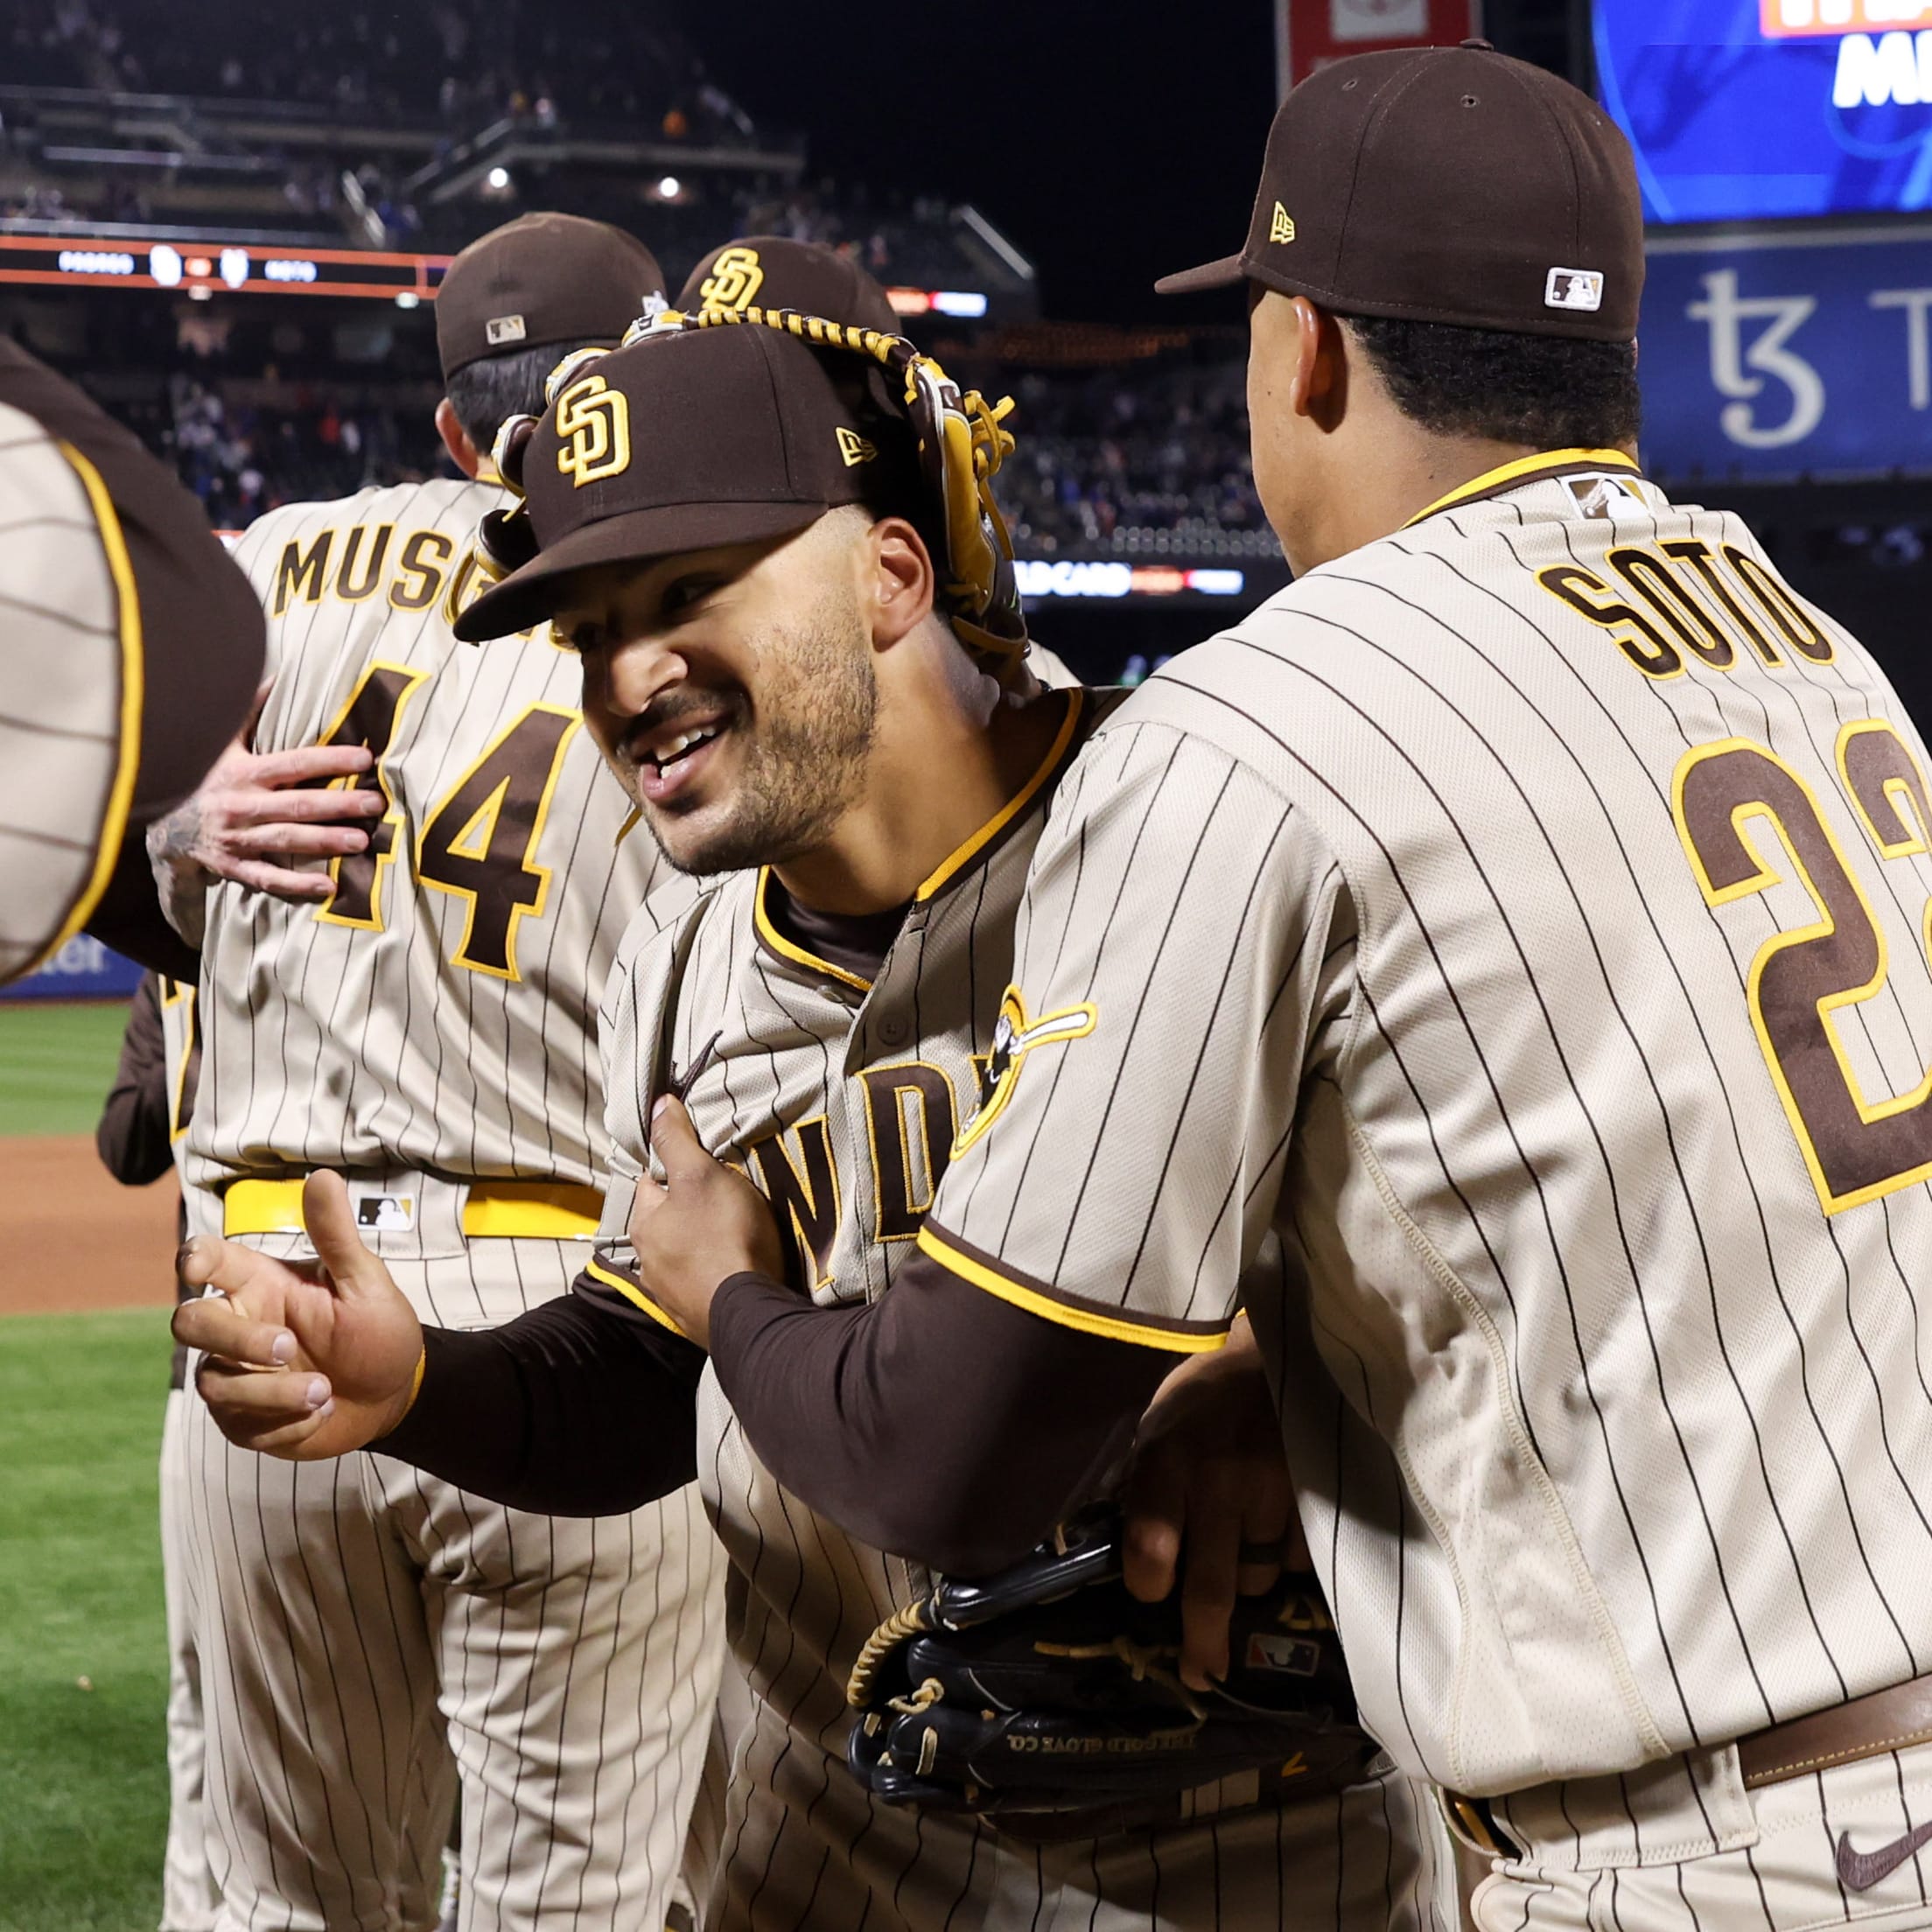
column 533, row 595
column 1223, row 274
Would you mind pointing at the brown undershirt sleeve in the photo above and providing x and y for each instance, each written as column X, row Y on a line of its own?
column 939, row 1423
column 569, row 1411
column 132, row 1137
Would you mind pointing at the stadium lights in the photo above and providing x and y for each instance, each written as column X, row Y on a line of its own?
column 967, row 304
column 669, row 188
column 407, row 299
column 499, row 178
column 1042, row 577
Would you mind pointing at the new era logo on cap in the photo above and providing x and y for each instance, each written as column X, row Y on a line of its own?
column 1281, row 225
column 500, row 329
column 853, row 447
column 1574, row 289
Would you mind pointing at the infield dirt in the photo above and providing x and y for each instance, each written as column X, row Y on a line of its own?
column 72, row 1238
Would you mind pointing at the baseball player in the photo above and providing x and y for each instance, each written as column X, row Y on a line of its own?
column 1566, row 1043
column 143, row 1123
column 423, row 1020
column 133, row 647
column 763, row 665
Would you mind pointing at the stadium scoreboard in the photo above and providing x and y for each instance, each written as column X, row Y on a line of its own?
column 207, row 266
column 1743, row 110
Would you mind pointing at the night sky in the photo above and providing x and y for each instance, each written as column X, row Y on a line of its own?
column 1110, row 143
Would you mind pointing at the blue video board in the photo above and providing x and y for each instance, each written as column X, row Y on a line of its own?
column 1768, row 109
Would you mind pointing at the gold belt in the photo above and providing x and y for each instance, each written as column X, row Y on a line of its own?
column 530, row 1210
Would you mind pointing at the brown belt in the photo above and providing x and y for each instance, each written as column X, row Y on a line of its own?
column 1866, row 1727
column 1887, row 1720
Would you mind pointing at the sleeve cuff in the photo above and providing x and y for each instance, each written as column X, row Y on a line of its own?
column 1112, row 1324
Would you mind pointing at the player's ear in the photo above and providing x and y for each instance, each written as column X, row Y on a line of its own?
column 456, row 439
column 1319, row 389
column 1296, row 360
column 900, row 584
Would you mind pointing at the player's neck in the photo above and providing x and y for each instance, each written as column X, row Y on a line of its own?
column 948, row 754
column 1406, row 470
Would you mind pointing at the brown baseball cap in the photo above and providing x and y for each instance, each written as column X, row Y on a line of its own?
column 772, row 271
column 1446, row 185
column 681, row 442
column 539, row 279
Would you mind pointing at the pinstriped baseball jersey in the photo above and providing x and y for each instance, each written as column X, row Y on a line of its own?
column 181, row 1043
column 70, row 719
column 437, row 1016
column 1570, row 1027
column 841, row 1097
column 438, row 1012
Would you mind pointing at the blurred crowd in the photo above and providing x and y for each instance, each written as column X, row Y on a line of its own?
column 244, row 458
column 1133, row 463
column 1142, row 458
column 467, row 60
column 1148, row 459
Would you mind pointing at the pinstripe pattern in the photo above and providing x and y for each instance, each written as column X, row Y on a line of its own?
column 60, row 718
column 370, row 1049
column 373, row 1635
column 366, row 1622
column 1614, row 1442
column 858, row 1089
column 189, row 1896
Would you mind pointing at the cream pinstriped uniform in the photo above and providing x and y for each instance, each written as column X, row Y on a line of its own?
column 189, row 1895
column 840, row 1099
column 1565, row 1072
column 68, row 736
column 431, row 1032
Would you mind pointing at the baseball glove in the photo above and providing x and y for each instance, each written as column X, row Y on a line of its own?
column 1047, row 1699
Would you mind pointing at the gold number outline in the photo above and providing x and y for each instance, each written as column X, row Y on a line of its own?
column 392, row 817
column 1825, row 927
column 526, row 862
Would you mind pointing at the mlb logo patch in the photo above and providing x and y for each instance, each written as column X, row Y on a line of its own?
column 385, row 1214
column 1295, row 1656
column 1604, row 498
column 1581, row 289
column 500, row 329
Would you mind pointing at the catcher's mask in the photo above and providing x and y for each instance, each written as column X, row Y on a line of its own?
column 960, row 439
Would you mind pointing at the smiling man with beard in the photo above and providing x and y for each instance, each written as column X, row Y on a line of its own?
column 821, row 709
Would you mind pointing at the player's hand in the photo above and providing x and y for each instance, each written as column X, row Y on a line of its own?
column 303, row 1360
column 1208, row 1500
column 256, row 810
column 701, row 1224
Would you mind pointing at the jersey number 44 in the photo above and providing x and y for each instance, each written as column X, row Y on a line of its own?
column 477, row 842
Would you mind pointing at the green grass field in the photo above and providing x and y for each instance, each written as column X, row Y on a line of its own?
column 56, row 1065
column 83, row 1786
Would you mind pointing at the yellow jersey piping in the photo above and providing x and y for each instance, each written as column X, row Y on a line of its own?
column 635, row 1296
column 1522, row 470
column 948, row 868
column 954, row 860
column 1087, row 1320
column 114, row 822
column 777, row 942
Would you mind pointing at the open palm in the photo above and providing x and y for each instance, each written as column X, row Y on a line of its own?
column 303, row 1360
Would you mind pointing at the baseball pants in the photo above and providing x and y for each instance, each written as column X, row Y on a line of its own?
column 804, row 1847
column 188, row 1895
column 1683, row 1844
column 361, row 1623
